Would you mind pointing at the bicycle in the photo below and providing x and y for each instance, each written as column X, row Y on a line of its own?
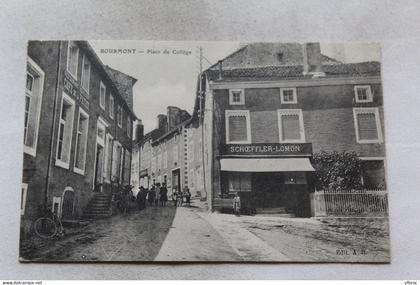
column 49, row 225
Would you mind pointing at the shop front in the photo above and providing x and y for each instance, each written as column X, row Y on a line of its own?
column 270, row 178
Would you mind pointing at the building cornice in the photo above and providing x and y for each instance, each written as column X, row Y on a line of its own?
column 296, row 82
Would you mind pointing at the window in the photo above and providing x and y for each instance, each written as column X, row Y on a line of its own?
column 367, row 125
column 291, row 125
column 81, row 142
column 363, row 94
column 175, row 154
column 165, row 159
column 288, row 96
column 236, row 97
column 127, row 167
column 116, row 160
column 85, row 74
column 23, row 198
column 72, row 59
column 108, row 157
column 238, row 127
column 129, row 128
column 65, row 131
column 239, row 181
column 119, row 116
column 111, row 106
column 33, row 99
column 102, row 92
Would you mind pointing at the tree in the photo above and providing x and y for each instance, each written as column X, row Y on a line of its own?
column 337, row 170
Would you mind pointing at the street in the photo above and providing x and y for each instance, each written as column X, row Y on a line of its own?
column 192, row 234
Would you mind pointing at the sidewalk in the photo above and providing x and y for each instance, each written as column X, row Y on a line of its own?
column 191, row 238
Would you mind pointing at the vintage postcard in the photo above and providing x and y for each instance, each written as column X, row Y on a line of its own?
column 154, row 151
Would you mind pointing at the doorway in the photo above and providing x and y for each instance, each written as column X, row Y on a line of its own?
column 99, row 168
column 176, row 180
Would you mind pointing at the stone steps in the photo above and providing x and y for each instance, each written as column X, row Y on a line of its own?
column 98, row 207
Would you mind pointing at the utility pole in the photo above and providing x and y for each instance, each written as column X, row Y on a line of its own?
column 201, row 122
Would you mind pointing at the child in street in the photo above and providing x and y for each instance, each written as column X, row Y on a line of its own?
column 237, row 204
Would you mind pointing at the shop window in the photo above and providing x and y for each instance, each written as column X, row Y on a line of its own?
column 288, row 96
column 373, row 174
column 102, row 92
column 72, row 59
column 367, row 125
column 291, row 127
column 239, row 181
column 65, row 131
column 33, row 99
column 81, row 142
column 111, row 106
column 119, row 116
column 236, row 97
column 363, row 93
column 238, row 127
column 294, row 178
column 85, row 74
column 23, row 198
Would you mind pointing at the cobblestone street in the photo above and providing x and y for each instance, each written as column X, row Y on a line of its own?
column 192, row 234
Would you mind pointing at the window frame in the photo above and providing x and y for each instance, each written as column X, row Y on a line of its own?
column 298, row 112
column 35, row 68
column 119, row 116
column 242, row 97
column 70, row 43
column 370, row 110
column 75, row 168
column 111, row 106
column 232, row 113
column 294, row 101
column 369, row 94
column 23, row 197
column 102, row 104
column 59, row 162
column 83, row 74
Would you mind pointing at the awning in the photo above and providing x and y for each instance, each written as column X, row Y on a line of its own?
column 265, row 164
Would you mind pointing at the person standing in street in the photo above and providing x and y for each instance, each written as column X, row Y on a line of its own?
column 179, row 198
column 174, row 197
column 187, row 196
column 163, row 194
column 151, row 196
column 157, row 195
column 236, row 203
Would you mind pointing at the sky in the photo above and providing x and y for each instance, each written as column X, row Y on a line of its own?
column 167, row 71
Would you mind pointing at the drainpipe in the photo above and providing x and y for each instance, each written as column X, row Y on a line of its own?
column 50, row 154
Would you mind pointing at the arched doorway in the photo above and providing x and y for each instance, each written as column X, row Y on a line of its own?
column 67, row 204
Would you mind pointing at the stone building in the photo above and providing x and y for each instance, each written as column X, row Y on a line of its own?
column 78, row 129
column 269, row 107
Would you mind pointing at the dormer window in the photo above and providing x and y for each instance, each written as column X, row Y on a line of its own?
column 236, row 97
column 288, row 96
column 363, row 94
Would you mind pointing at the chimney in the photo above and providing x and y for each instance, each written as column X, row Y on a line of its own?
column 139, row 131
column 312, row 60
column 162, row 122
column 220, row 69
column 174, row 116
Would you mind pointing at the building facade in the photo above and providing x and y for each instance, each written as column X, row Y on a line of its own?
column 78, row 129
column 269, row 107
column 163, row 152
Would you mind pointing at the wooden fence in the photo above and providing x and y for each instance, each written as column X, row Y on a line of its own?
column 365, row 202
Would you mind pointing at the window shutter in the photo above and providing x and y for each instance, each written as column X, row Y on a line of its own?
column 237, row 128
column 290, row 127
column 367, row 126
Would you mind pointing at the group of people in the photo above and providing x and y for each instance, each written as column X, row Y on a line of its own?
column 158, row 196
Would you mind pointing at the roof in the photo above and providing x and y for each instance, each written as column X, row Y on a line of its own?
column 268, row 73
column 94, row 58
column 124, row 84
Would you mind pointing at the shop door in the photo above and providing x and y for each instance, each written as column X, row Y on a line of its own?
column 268, row 190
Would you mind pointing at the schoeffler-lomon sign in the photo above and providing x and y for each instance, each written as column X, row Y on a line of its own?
column 275, row 149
